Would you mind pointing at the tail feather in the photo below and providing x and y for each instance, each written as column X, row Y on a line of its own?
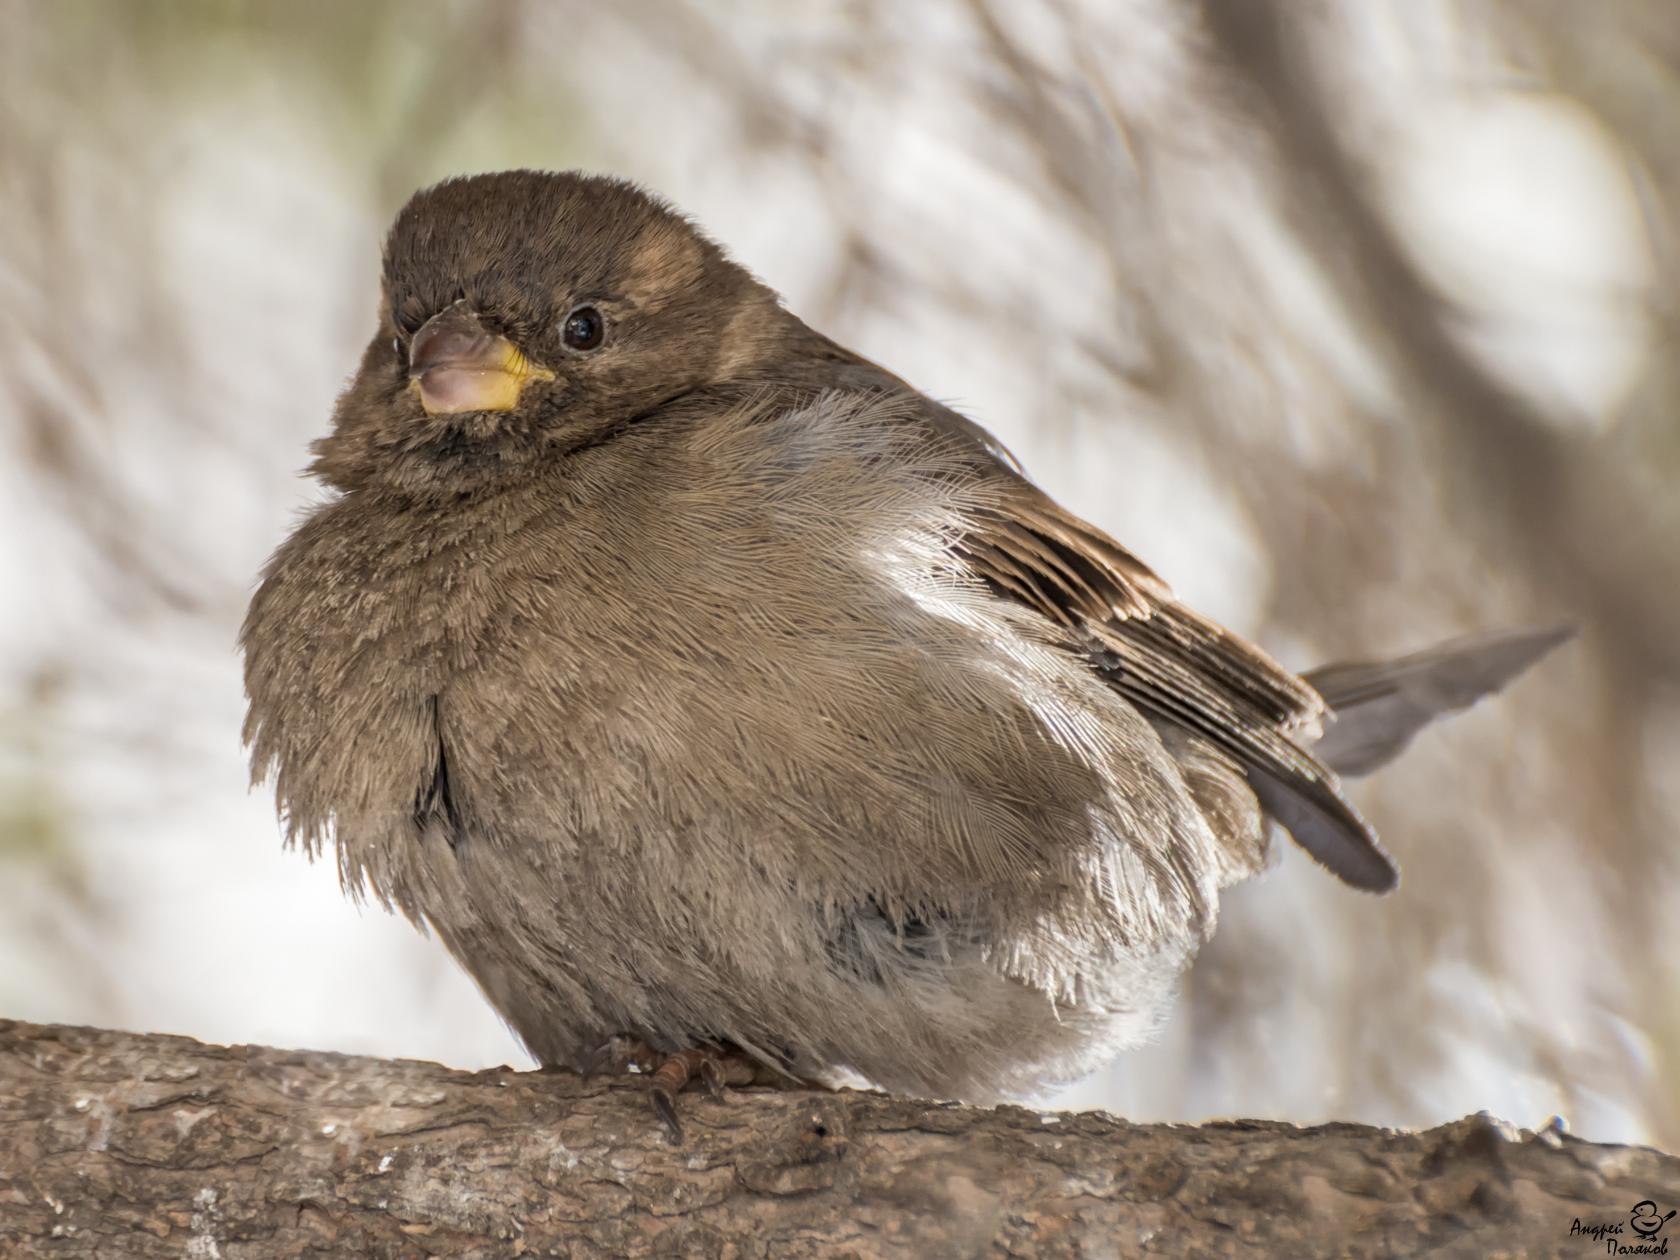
column 1326, row 825
column 1376, row 707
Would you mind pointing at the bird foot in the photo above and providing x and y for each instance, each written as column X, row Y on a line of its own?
column 668, row 1075
column 715, row 1068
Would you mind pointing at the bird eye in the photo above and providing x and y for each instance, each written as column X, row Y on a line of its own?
column 584, row 329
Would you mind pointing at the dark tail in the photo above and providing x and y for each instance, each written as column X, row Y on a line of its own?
column 1377, row 706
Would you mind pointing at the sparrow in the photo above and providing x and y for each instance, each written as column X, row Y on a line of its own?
column 707, row 688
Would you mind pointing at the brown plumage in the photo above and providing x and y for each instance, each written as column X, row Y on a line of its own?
column 700, row 681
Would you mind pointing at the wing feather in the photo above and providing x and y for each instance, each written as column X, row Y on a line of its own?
column 1172, row 663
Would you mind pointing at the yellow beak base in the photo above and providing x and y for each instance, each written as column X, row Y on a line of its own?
column 457, row 365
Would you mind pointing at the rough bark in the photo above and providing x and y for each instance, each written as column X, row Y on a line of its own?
column 117, row 1144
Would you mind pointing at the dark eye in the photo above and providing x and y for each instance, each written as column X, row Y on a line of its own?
column 584, row 328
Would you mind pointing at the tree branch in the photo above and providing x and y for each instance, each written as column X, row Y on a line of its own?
column 120, row 1144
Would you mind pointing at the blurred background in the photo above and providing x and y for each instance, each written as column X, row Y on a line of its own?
column 1357, row 320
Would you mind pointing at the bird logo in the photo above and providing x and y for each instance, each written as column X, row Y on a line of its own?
column 1647, row 1223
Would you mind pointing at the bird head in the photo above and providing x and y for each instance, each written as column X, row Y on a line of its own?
column 525, row 313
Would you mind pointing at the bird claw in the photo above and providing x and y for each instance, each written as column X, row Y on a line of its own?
column 665, row 1107
column 711, row 1075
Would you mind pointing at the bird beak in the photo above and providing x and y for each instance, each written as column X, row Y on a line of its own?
column 457, row 364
